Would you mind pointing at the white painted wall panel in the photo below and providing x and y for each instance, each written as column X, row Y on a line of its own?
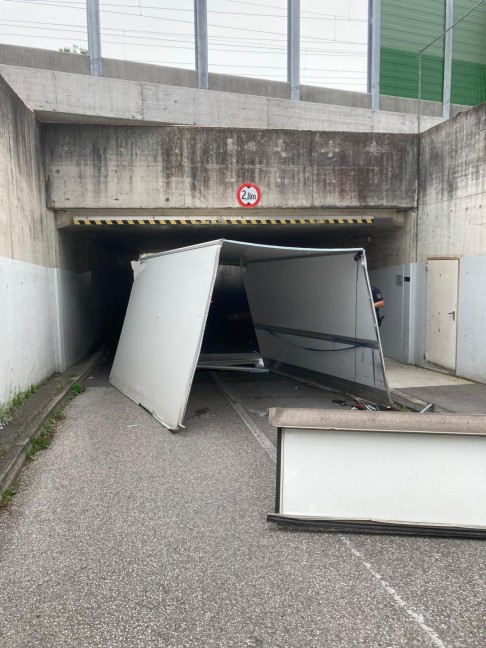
column 396, row 293
column 471, row 325
column 46, row 322
column 28, row 331
column 74, row 300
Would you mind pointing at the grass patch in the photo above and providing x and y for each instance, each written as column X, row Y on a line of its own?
column 7, row 496
column 8, row 409
column 76, row 389
column 44, row 438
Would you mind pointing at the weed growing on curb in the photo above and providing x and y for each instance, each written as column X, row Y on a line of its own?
column 43, row 440
column 76, row 389
column 7, row 409
column 5, row 414
column 7, row 496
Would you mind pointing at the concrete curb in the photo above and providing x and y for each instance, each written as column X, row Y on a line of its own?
column 30, row 424
column 414, row 404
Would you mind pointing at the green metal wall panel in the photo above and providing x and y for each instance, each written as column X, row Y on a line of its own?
column 408, row 27
column 405, row 29
column 469, row 54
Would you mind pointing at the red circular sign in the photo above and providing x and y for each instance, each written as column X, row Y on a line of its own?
column 248, row 195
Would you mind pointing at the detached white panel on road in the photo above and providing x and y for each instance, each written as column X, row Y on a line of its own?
column 312, row 310
column 390, row 469
column 162, row 333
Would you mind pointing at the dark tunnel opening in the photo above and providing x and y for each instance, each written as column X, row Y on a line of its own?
column 229, row 327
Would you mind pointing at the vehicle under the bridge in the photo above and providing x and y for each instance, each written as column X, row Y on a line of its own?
column 311, row 309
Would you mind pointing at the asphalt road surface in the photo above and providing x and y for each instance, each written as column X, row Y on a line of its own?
column 125, row 535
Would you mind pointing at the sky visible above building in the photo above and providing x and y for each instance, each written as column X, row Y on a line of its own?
column 246, row 37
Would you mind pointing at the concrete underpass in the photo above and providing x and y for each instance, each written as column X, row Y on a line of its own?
column 132, row 190
column 123, row 534
column 124, row 237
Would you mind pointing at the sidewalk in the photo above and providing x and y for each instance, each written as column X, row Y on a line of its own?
column 16, row 437
column 415, row 388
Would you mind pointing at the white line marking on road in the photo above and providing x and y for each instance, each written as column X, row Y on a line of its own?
column 247, row 420
column 418, row 618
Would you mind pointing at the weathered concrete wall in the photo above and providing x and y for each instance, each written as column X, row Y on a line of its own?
column 57, row 97
column 136, row 167
column 452, row 196
column 27, row 250
column 452, row 223
column 132, row 71
column 27, row 233
column 46, row 284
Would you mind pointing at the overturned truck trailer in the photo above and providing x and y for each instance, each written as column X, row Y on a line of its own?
column 312, row 311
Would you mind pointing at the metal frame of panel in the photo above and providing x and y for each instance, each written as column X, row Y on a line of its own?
column 381, row 472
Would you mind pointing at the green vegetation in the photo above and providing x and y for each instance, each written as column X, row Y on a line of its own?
column 76, row 389
column 7, row 496
column 43, row 440
column 8, row 409
column 75, row 49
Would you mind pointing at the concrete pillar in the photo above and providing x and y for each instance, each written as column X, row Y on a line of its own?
column 446, row 94
column 94, row 36
column 374, row 53
column 201, row 41
column 293, row 47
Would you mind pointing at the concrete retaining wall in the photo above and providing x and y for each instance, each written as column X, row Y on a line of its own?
column 135, row 167
column 450, row 224
column 46, row 287
column 28, row 339
column 453, row 188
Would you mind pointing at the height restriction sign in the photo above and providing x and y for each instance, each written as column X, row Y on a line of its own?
column 248, row 195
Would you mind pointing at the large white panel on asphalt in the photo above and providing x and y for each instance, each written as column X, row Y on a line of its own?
column 162, row 333
column 357, row 466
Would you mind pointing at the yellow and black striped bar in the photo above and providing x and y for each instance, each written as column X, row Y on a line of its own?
column 222, row 221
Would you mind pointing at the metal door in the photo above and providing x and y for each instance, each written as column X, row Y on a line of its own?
column 441, row 322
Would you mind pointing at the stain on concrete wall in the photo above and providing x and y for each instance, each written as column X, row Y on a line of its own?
column 176, row 168
column 28, row 229
column 452, row 197
column 51, row 286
